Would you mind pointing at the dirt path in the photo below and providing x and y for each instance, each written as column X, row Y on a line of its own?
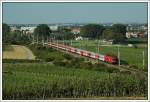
column 18, row 52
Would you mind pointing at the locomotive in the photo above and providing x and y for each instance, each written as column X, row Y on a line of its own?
column 105, row 58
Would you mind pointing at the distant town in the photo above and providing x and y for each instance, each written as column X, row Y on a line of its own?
column 133, row 30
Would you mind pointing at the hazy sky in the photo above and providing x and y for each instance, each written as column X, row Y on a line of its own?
column 35, row 13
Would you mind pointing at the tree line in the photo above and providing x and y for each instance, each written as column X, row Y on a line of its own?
column 116, row 32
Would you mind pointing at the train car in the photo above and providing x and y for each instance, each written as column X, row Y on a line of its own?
column 110, row 59
column 101, row 57
column 92, row 55
column 73, row 50
column 96, row 56
column 106, row 58
column 88, row 54
column 85, row 53
column 81, row 52
column 78, row 51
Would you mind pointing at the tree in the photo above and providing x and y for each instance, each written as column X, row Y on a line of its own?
column 42, row 31
column 119, row 32
column 92, row 31
column 5, row 31
column 108, row 34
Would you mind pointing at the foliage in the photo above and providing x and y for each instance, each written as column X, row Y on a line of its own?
column 117, row 33
column 62, row 36
column 5, row 31
column 108, row 34
column 92, row 31
column 46, row 54
column 42, row 31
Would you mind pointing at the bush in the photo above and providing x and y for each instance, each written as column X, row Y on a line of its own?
column 86, row 65
column 67, row 56
column 49, row 59
column 59, row 63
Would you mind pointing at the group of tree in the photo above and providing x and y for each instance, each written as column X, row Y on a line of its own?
column 93, row 31
column 5, row 31
column 15, row 37
column 42, row 32
column 117, row 32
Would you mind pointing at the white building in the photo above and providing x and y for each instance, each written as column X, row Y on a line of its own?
column 131, row 34
column 14, row 29
column 53, row 28
column 79, row 38
column 27, row 29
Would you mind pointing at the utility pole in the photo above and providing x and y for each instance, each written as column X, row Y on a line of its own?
column 98, row 45
column 33, row 39
column 57, row 44
column 118, row 56
column 143, row 60
column 71, row 42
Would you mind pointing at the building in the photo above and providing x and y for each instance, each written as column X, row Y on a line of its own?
column 75, row 30
column 131, row 34
column 53, row 28
column 14, row 28
column 26, row 30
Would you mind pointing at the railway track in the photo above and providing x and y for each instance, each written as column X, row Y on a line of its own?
column 122, row 68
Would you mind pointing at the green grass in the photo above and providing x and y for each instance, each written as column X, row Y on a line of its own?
column 46, row 81
column 129, row 55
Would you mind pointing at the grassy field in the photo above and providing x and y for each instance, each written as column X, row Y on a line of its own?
column 56, row 75
column 47, row 81
column 17, row 52
column 132, row 56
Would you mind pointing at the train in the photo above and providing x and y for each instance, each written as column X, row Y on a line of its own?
column 105, row 58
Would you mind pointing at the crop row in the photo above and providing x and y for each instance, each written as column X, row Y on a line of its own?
column 44, row 81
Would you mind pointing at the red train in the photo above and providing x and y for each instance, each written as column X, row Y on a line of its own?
column 106, row 58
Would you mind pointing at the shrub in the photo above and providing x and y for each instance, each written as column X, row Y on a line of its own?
column 67, row 56
column 59, row 63
column 49, row 59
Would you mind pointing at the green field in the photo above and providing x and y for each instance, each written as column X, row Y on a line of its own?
column 47, row 81
column 133, row 56
column 55, row 75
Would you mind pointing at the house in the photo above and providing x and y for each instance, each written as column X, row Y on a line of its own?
column 75, row 31
column 131, row 34
column 79, row 38
column 26, row 30
column 54, row 28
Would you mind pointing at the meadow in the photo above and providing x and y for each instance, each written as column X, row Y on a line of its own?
column 132, row 56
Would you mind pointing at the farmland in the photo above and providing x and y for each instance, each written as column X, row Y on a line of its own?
column 46, row 81
column 58, row 76
column 17, row 52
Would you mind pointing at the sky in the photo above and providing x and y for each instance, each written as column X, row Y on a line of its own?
column 36, row 13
